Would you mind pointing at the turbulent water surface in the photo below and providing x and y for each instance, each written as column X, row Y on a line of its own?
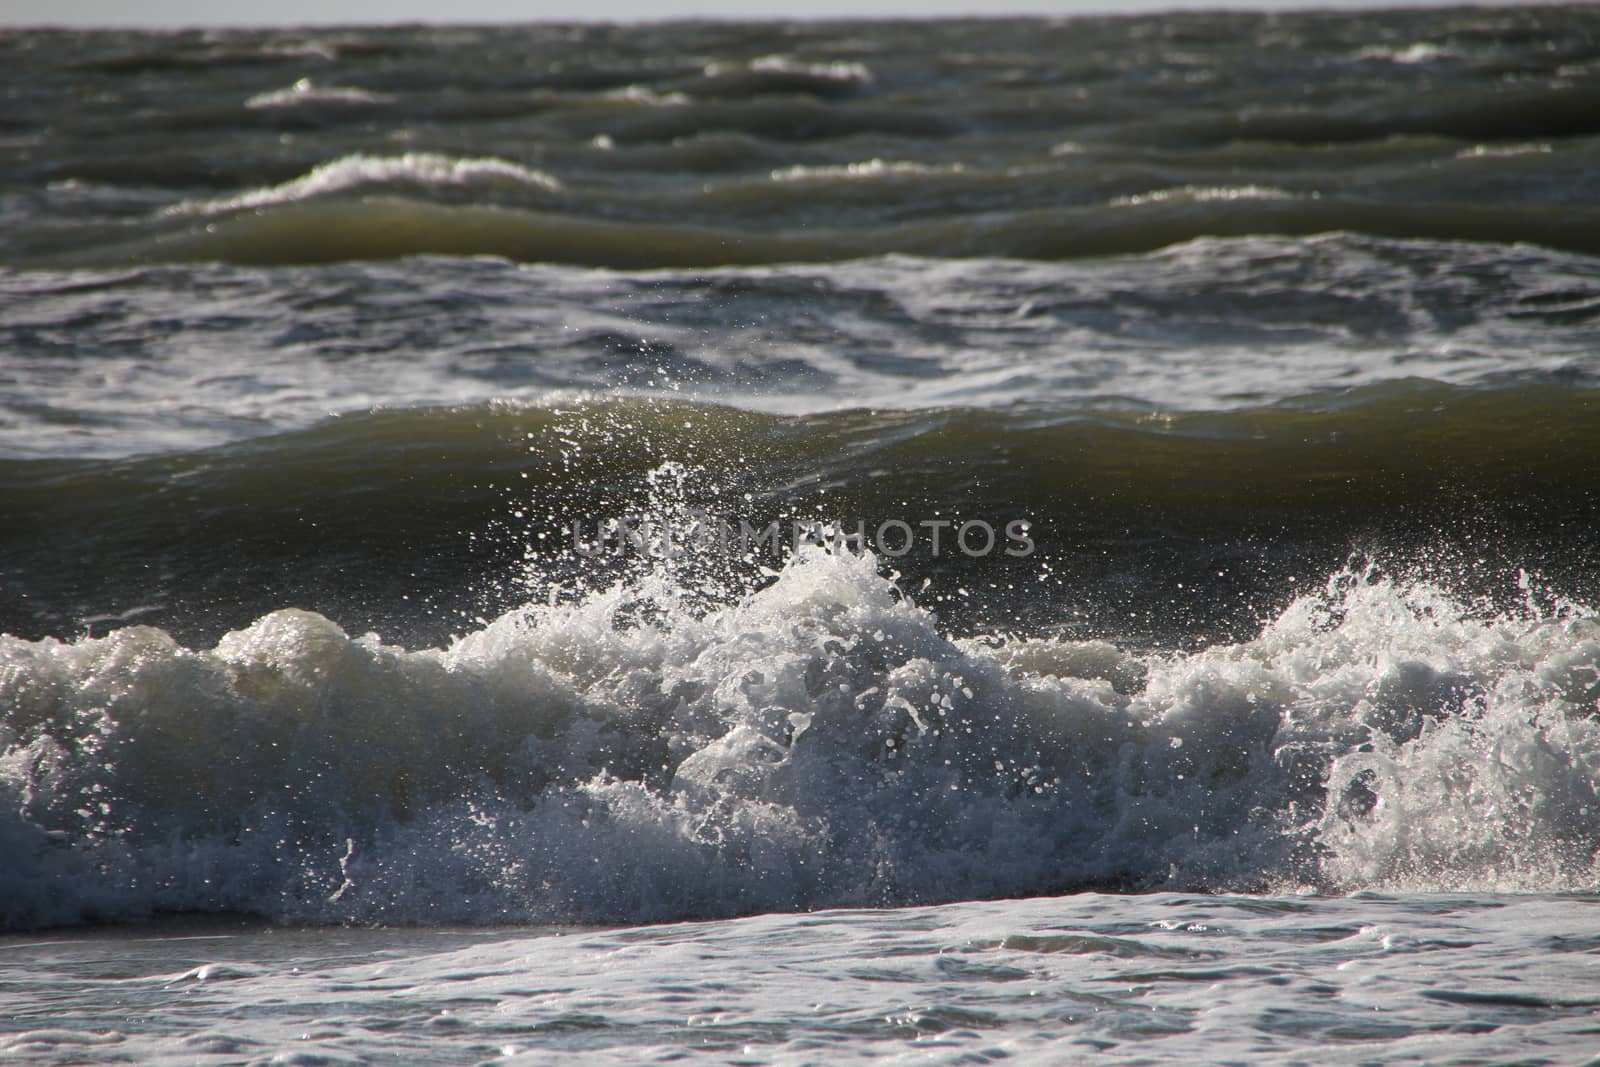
column 806, row 542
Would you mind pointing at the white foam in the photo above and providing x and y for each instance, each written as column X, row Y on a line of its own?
column 867, row 168
column 305, row 91
column 356, row 171
column 1504, row 151
column 1197, row 326
column 1209, row 194
column 643, row 94
column 816, row 743
column 1411, row 55
column 844, row 71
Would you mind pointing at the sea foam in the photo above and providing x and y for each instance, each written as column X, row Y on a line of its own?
column 818, row 742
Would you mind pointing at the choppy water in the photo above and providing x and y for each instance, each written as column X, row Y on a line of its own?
column 1106, row 979
column 1216, row 394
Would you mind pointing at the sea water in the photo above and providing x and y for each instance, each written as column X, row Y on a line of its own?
column 816, row 542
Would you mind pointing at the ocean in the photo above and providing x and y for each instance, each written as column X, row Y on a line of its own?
column 820, row 542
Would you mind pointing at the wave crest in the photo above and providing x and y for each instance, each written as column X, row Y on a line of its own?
column 425, row 169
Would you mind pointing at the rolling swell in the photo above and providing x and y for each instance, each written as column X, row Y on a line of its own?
column 1497, row 115
column 1036, row 138
column 391, row 227
column 403, row 520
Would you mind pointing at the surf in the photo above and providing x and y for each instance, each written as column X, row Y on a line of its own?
column 820, row 742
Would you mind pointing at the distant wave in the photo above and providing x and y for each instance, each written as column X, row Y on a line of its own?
column 1511, row 112
column 291, row 226
column 779, row 74
column 864, row 169
column 416, row 169
column 1419, row 52
column 997, row 137
column 1204, row 194
column 305, row 91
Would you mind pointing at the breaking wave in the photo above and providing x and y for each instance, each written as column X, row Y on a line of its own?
column 818, row 742
column 414, row 169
